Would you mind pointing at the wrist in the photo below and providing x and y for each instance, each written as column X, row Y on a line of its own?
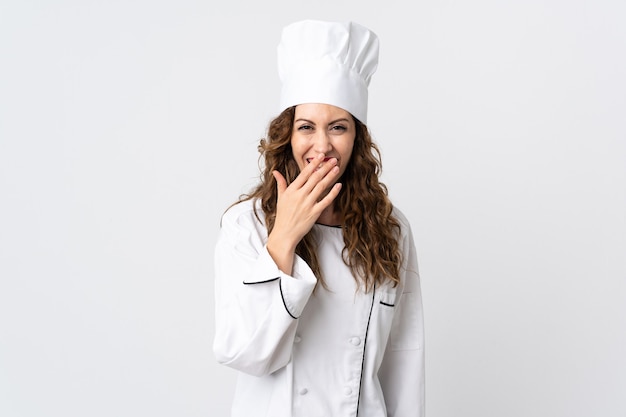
column 282, row 252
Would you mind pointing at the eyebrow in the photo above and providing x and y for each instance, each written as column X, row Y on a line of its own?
column 343, row 119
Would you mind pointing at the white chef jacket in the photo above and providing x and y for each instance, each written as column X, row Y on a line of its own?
column 326, row 353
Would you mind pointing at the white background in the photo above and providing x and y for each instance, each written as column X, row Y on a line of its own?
column 127, row 127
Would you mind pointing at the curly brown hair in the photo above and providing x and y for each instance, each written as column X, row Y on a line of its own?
column 370, row 230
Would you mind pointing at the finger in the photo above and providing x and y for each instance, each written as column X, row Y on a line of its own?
column 324, row 177
column 308, row 170
column 281, row 182
column 330, row 197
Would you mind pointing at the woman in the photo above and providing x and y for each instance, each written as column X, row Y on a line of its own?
column 318, row 301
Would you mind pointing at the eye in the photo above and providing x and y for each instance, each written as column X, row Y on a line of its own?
column 305, row 127
column 340, row 128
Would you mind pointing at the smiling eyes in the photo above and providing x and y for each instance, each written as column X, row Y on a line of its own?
column 338, row 128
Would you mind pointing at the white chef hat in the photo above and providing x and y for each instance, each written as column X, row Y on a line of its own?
column 327, row 62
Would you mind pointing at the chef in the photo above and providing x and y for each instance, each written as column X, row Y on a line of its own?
column 317, row 291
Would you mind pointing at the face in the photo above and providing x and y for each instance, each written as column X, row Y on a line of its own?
column 322, row 128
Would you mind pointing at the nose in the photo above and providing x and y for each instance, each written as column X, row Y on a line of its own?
column 322, row 143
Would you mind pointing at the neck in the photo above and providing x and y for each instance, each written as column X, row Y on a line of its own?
column 330, row 217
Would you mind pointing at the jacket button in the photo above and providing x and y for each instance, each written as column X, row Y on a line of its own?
column 355, row 341
column 303, row 391
column 347, row 391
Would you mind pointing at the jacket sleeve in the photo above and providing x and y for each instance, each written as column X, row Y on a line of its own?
column 402, row 370
column 256, row 304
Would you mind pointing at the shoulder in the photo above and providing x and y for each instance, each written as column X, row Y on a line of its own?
column 242, row 226
column 241, row 233
column 405, row 225
column 244, row 213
